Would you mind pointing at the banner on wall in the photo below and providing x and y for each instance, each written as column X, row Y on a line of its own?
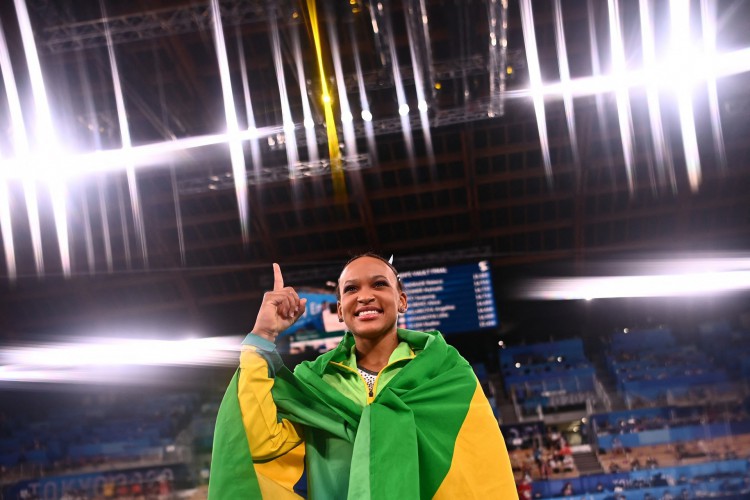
column 92, row 485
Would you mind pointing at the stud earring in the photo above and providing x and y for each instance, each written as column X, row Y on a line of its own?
column 341, row 320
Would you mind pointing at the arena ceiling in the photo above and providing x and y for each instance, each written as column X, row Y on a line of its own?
column 172, row 153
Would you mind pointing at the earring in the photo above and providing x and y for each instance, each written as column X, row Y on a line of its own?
column 341, row 320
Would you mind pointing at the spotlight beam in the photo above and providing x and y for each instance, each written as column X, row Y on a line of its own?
column 346, row 117
column 19, row 129
column 403, row 106
column 662, row 153
column 537, row 88
column 249, row 113
column 680, row 38
column 708, row 20
column 235, row 145
column 290, row 139
column 364, row 103
column 419, row 78
column 45, row 137
column 621, row 91
column 122, row 117
column 308, row 121
column 562, row 58
column 21, row 147
column 156, row 154
column 6, row 228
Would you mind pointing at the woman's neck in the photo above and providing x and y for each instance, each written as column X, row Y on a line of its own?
column 373, row 354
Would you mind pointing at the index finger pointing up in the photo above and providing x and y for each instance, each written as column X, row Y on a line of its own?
column 278, row 280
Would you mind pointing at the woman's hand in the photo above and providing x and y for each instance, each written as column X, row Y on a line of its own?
column 280, row 309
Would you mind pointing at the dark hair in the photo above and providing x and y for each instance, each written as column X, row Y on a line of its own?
column 374, row 256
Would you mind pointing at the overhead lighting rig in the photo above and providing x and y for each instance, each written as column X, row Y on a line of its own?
column 265, row 175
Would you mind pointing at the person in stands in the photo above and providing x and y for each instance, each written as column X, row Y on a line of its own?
column 389, row 413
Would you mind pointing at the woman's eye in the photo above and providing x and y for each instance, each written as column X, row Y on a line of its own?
column 381, row 283
column 348, row 288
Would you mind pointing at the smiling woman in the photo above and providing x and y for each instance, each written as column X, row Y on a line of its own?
column 389, row 413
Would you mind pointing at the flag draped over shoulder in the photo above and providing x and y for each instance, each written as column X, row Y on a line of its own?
column 430, row 433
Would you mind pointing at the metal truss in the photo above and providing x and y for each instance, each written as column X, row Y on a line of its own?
column 479, row 110
column 265, row 175
column 153, row 24
column 442, row 70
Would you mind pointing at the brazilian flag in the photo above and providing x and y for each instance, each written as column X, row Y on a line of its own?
column 430, row 433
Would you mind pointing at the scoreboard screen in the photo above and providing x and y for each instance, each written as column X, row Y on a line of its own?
column 450, row 299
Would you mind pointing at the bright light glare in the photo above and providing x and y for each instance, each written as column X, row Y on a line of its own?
column 80, row 361
column 292, row 155
column 668, row 285
column 157, row 154
column 45, row 135
column 562, row 60
column 682, row 65
column 662, row 153
column 308, row 122
column 122, row 119
column 403, row 110
column 347, row 125
column 147, row 155
column 656, row 278
column 535, row 77
column 366, row 115
column 621, row 92
column 236, row 153
column 708, row 19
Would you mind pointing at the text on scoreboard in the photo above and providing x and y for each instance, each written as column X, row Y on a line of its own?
column 450, row 299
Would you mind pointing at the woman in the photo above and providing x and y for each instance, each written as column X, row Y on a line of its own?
column 390, row 413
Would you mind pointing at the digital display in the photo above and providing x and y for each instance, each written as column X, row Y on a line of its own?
column 318, row 329
column 451, row 299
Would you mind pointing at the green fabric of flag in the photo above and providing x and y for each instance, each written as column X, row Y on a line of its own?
column 399, row 446
column 232, row 474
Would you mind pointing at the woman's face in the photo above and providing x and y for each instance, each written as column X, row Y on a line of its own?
column 370, row 298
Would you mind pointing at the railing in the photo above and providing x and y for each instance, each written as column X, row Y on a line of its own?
column 601, row 393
